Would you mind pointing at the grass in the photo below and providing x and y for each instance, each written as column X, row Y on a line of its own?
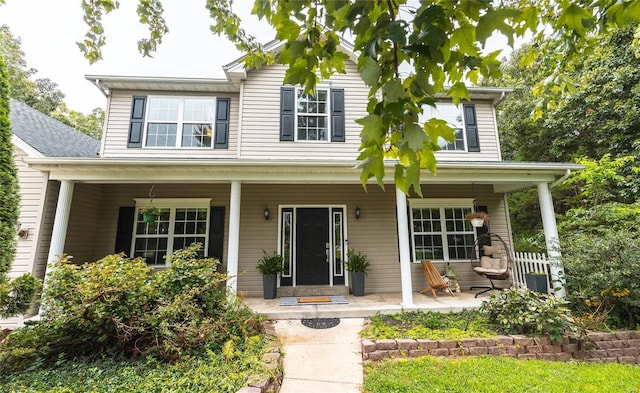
column 209, row 373
column 498, row 374
column 429, row 325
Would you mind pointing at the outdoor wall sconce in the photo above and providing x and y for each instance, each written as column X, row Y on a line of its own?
column 357, row 213
column 266, row 214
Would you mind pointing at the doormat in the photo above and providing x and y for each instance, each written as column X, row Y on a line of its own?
column 320, row 323
column 311, row 300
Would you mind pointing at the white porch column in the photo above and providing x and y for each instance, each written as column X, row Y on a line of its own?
column 234, row 236
column 551, row 238
column 403, row 246
column 61, row 221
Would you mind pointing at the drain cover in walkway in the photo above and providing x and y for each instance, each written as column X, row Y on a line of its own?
column 320, row 323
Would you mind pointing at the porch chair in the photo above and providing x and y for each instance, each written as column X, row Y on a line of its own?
column 435, row 280
column 491, row 258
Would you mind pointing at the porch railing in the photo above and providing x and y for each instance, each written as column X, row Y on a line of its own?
column 526, row 262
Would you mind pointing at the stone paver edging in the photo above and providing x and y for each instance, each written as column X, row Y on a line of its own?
column 272, row 359
column 620, row 347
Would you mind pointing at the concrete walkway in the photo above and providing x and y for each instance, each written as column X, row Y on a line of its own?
column 321, row 360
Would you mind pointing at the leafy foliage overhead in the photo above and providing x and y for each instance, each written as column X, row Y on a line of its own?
column 440, row 41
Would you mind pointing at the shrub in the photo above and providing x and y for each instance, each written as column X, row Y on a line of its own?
column 521, row 311
column 120, row 306
column 603, row 276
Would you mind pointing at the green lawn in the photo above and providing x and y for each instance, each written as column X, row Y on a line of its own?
column 498, row 374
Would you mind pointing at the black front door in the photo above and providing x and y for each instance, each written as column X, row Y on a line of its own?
column 312, row 237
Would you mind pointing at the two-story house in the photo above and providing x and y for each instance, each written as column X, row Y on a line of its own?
column 245, row 164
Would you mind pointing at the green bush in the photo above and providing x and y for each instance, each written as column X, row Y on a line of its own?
column 119, row 306
column 603, row 276
column 521, row 311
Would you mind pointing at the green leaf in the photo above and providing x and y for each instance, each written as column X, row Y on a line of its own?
column 393, row 90
column 464, row 37
column 371, row 129
column 575, row 18
column 370, row 70
column 414, row 136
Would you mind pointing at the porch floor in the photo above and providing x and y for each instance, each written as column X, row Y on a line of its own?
column 366, row 306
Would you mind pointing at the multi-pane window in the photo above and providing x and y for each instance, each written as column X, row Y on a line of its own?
column 180, row 122
column 441, row 233
column 175, row 228
column 312, row 115
column 452, row 114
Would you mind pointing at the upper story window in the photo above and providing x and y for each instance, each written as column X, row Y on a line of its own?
column 317, row 117
column 462, row 118
column 179, row 122
column 312, row 112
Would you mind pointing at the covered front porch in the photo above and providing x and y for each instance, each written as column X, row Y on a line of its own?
column 366, row 306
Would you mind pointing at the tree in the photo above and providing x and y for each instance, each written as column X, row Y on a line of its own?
column 439, row 40
column 42, row 94
column 90, row 124
column 15, row 295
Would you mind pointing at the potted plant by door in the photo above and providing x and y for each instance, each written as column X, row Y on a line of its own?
column 149, row 213
column 357, row 264
column 537, row 282
column 478, row 219
column 270, row 266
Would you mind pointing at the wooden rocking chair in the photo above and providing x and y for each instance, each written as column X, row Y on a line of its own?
column 435, row 280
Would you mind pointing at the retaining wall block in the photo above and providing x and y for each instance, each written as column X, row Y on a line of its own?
column 427, row 344
column 562, row 356
column 526, row 356
column 497, row 350
column 439, row 352
column 623, row 335
column 475, row 351
column 250, row 389
column 447, row 344
column 542, row 340
column 549, row 357
column 635, row 334
column 614, row 352
column 522, row 340
column 416, row 353
column 394, row 353
column 630, row 351
column 534, row 349
column 407, row 344
column 386, row 344
column 603, row 345
column 512, row 350
column 378, row 355
column 609, row 360
column 469, row 342
column 570, row 348
column 618, row 344
column 634, row 342
column 627, row 359
column 368, row 346
column 504, row 340
column 595, row 336
column 552, row 348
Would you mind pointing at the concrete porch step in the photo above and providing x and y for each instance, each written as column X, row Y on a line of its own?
column 313, row 290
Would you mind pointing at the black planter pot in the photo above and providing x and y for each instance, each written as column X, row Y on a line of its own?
column 537, row 282
column 357, row 283
column 270, row 285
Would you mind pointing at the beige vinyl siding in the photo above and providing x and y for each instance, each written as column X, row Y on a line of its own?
column 119, row 195
column 487, row 134
column 33, row 185
column 117, row 129
column 46, row 227
column 261, row 118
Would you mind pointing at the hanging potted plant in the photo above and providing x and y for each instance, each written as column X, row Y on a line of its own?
column 478, row 219
column 149, row 213
column 357, row 264
column 270, row 266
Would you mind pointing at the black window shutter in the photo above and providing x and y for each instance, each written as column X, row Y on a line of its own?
column 124, row 233
column 337, row 115
column 287, row 112
column 137, row 121
column 222, row 124
column 471, row 127
column 216, row 232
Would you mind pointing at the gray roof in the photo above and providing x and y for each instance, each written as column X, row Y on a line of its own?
column 49, row 136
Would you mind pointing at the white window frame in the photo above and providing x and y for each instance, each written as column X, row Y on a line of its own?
column 442, row 204
column 172, row 204
column 328, row 115
column 180, row 121
column 433, row 112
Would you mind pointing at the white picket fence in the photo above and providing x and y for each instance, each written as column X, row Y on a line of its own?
column 526, row 262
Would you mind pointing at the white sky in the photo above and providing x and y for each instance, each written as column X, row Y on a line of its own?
column 49, row 30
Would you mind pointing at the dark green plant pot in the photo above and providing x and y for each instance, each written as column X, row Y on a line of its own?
column 149, row 217
column 357, row 283
column 537, row 282
column 270, row 285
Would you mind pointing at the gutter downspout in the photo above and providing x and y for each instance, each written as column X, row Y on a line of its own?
column 499, row 99
column 101, row 88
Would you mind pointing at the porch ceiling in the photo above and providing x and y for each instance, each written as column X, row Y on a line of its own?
column 504, row 176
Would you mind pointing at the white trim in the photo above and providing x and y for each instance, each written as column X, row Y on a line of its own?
column 25, row 147
column 174, row 202
column 233, row 238
column 441, row 202
column 327, row 115
column 403, row 248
